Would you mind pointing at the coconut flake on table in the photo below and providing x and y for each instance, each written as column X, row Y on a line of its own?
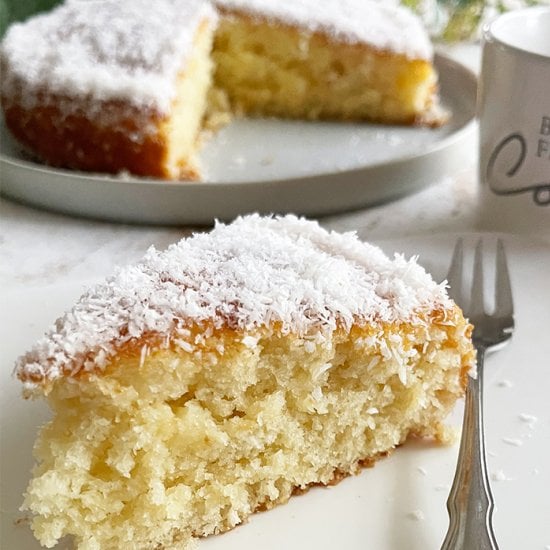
column 499, row 475
column 529, row 419
column 513, row 442
column 416, row 515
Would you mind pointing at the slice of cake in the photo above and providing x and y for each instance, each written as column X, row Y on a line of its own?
column 217, row 377
column 111, row 85
column 122, row 85
column 346, row 60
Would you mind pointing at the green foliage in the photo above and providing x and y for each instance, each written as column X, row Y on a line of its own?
column 464, row 21
column 18, row 10
column 4, row 16
column 454, row 20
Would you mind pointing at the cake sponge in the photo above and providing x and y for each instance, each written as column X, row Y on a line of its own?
column 222, row 375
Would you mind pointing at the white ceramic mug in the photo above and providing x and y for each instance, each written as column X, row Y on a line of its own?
column 514, row 118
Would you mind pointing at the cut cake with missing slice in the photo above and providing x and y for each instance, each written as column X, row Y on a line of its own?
column 123, row 85
column 218, row 377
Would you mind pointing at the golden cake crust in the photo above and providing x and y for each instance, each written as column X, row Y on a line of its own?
column 101, row 91
column 79, row 143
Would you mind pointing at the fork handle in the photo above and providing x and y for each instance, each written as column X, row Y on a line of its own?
column 470, row 503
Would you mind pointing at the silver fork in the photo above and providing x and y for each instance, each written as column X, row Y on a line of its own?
column 470, row 503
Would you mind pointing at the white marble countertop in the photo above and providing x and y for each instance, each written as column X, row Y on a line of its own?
column 40, row 248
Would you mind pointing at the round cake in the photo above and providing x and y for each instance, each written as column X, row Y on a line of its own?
column 123, row 85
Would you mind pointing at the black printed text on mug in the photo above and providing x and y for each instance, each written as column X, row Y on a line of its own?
column 543, row 149
column 505, row 163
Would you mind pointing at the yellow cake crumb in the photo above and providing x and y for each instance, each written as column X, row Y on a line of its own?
column 187, row 444
column 284, row 71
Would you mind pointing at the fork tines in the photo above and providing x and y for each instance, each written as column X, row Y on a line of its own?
column 475, row 304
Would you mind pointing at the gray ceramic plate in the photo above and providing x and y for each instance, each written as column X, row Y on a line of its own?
column 268, row 166
column 382, row 507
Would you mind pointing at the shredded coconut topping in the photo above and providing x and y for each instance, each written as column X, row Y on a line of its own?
column 133, row 49
column 385, row 27
column 104, row 49
column 246, row 276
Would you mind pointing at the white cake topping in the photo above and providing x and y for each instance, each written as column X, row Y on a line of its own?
column 245, row 276
column 133, row 49
column 384, row 26
column 104, row 49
